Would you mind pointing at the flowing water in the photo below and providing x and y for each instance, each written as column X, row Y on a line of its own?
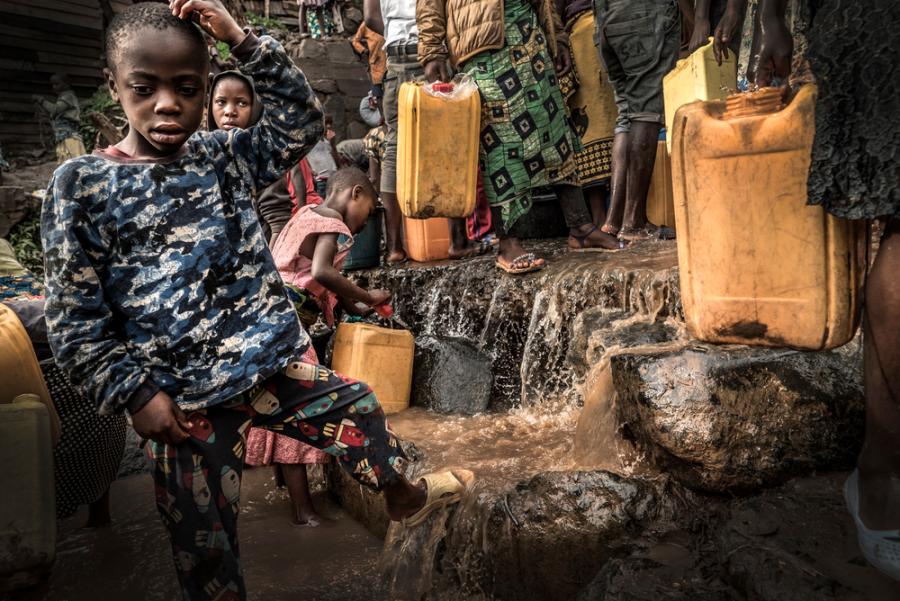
column 550, row 337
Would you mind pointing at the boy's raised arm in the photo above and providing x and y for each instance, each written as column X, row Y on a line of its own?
column 292, row 121
column 81, row 326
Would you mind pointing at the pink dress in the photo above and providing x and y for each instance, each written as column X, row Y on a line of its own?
column 295, row 269
column 265, row 447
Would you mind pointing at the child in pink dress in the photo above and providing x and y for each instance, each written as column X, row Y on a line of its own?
column 309, row 254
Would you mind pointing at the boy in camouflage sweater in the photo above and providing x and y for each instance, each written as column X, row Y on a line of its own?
column 163, row 299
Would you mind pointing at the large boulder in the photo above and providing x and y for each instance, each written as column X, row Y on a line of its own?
column 451, row 375
column 734, row 419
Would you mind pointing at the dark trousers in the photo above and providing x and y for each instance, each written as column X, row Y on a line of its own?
column 198, row 482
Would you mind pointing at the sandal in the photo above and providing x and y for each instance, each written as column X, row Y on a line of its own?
column 531, row 264
column 881, row 548
column 582, row 242
column 444, row 488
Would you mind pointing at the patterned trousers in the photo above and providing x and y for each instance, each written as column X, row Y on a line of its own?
column 198, row 482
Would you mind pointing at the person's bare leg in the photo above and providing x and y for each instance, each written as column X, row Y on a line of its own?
column 98, row 512
column 596, row 200
column 460, row 245
column 582, row 232
column 617, row 182
column 297, row 482
column 879, row 461
column 642, row 143
column 403, row 499
column 393, row 227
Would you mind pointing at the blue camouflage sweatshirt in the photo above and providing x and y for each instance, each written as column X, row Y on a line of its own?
column 158, row 276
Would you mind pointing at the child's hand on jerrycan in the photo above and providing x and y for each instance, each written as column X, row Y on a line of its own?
column 212, row 16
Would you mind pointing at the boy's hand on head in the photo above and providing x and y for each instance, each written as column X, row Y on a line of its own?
column 162, row 421
column 378, row 297
column 212, row 16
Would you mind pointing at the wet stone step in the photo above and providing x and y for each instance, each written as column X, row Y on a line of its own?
column 524, row 324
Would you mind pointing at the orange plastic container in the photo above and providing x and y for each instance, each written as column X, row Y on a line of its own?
column 757, row 264
column 380, row 357
column 437, row 151
column 427, row 239
column 20, row 372
column 660, row 200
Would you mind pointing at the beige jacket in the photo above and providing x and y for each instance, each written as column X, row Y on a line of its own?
column 460, row 29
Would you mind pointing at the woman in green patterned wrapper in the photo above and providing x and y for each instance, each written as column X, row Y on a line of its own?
column 513, row 50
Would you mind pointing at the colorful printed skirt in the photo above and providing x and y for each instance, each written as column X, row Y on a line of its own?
column 592, row 104
column 526, row 140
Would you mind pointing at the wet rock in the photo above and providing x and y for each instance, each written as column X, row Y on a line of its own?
column 734, row 419
column 543, row 540
column 598, row 330
column 450, row 375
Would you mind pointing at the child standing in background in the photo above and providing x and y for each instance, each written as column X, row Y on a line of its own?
column 65, row 117
column 234, row 105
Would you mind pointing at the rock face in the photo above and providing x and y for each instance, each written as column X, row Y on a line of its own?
column 734, row 419
column 451, row 375
column 15, row 205
column 542, row 540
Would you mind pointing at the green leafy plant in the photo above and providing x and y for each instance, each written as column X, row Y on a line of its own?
column 260, row 21
column 25, row 239
column 224, row 50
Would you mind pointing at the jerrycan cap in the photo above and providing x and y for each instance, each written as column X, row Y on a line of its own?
column 442, row 88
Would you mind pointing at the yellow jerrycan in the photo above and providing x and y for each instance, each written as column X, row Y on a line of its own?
column 28, row 500
column 380, row 357
column 20, row 372
column 660, row 200
column 697, row 77
column 437, row 149
column 757, row 264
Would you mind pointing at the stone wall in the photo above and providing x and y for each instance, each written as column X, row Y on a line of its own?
column 340, row 79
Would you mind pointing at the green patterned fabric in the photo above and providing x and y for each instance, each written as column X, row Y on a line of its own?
column 526, row 140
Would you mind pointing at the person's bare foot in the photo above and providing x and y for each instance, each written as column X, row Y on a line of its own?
column 470, row 249
column 405, row 499
column 307, row 518
column 590, row 236
column 396, row 257
column 648, row 231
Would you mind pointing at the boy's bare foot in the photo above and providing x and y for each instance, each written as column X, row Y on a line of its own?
column 404, row 499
